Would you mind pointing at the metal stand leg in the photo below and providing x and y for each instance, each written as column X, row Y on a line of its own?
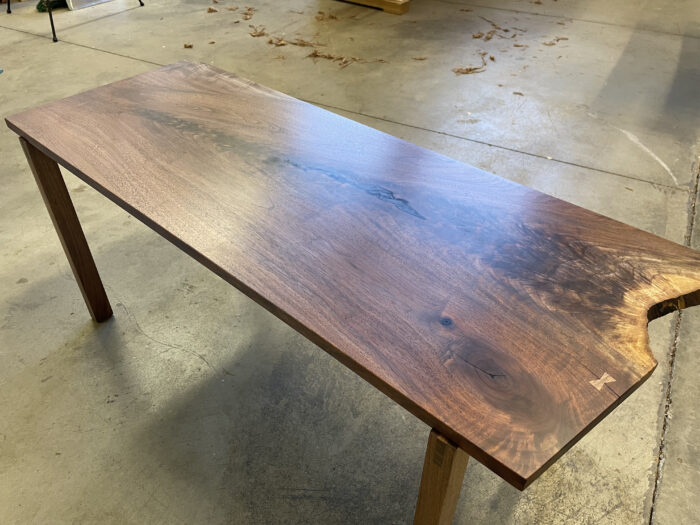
column 48, row 8
column 9, row 11
column 53, row 29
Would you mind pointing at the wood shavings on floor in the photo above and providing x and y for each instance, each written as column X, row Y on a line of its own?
column 470, row 70
column 343, row 61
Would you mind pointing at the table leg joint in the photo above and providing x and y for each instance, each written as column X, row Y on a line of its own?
column 65, row 220
column 443, row 472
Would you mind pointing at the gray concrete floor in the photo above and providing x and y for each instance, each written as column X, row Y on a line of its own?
column 194, row 405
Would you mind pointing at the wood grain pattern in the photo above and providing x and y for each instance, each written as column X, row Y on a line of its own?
column 441, row 481
column 57, row 199
column 485, row 308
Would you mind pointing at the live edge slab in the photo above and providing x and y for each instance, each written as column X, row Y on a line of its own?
column 509, row 321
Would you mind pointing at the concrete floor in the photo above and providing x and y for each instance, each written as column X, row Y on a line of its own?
column 194, row 405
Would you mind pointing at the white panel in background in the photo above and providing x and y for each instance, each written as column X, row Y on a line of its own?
column 79, row 4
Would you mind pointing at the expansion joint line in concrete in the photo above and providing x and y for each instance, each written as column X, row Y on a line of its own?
column 505, row 148
column 661, row 458
column 68, row 42
column 497, row 146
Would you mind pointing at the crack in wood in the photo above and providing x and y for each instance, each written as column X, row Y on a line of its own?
column 383, row 194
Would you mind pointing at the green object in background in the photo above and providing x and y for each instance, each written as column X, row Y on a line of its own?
column 41, row 6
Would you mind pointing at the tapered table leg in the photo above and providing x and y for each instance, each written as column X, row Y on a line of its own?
column 443, row 472
column 58, row 202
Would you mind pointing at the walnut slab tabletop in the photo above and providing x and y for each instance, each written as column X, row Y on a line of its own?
column 509, row 321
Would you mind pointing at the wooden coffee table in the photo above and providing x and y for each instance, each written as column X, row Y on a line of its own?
column 509, row 321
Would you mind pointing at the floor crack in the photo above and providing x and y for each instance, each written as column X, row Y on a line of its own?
column 498, row 146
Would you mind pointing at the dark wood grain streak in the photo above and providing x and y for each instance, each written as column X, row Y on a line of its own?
column 58, row 203
column 489, row 310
